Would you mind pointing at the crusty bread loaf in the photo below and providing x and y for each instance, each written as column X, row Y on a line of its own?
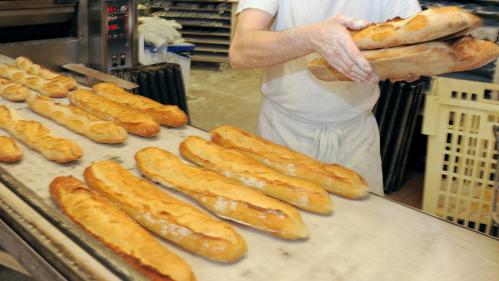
column 426, row 59
column 428, row 25
column 9, row 151
column 168, row 115
column 38, row 137
column 78, row 120
column 334, row 178
column 13, row 91
column 223, row 196
column 97, row 215
column 49, row 88
column 134, row 121
column 37, row 70
column 166, row 216
column 248, row 171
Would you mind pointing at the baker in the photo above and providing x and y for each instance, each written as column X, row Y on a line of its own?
column 330, row 121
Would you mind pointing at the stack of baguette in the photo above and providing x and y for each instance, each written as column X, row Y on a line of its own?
column 134, row 121
column 78, row 120
column 112, row 227
column 13, row 91
column 429, row 43
column 223, row 196
column 167, row 115
column 38, row 137
column 334, row 178
column 50, row 88
column 38, row 70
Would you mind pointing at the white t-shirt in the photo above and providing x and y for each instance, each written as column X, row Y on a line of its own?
column 290, row 84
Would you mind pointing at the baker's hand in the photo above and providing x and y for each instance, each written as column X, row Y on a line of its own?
column 333, row 41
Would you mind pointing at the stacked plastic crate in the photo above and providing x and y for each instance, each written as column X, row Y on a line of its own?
column 461, row 174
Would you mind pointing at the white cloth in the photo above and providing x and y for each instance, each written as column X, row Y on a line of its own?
column 354, row 144
column 326, row 120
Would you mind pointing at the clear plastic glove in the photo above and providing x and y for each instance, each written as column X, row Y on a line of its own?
column 333, row 41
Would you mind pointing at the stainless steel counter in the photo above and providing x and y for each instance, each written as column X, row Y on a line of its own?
column 372, row 239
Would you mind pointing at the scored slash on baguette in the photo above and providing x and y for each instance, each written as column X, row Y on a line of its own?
column 426, row 59
column 97, row 215
column 224, row 197
column 134, row 121
column 164, row 215
column 334, row 178
column 38, row 137
column 250, row 172
column 78, row 120
column 167, row 115
column 13, row 91
column 49, row 88
column 9, row 151
column 37, row 70
column 428, row 25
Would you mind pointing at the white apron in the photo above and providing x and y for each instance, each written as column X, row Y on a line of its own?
column 354, row 144
column 330, row 121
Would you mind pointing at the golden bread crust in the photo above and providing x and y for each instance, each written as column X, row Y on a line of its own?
column 134, row 121
column 250, row 172
column 166, row 216
column 168, row 115
column 333, row 178
column 223, row 196
column 97, row 215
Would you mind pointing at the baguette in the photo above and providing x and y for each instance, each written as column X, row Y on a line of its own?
column 223, row 196
column 37, row 70
column 164, row 215
column 168, row 115
column 235, row 165
column 13, row 91
column 9, row 151
column 49, row 88
column 426, row 59
column 38, row 137
column 78, row 120
column 135, row 122
column 334, row 178
column 113, row 228
column 428, row 25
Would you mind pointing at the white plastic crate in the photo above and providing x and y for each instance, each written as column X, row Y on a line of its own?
column 460, row 178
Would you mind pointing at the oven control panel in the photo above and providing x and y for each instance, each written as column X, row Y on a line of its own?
column 119, row 34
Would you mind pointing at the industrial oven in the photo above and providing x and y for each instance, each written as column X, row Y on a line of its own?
column 97, row 33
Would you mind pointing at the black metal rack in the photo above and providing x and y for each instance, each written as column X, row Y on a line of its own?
column 397, row 111
column 160, row 82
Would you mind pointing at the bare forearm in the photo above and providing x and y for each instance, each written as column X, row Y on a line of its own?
column 259, row 48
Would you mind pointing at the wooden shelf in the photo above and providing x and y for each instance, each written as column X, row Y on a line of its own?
column 209, row 28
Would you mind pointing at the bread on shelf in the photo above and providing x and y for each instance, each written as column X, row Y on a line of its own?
column 134, row 121
column 250, row 172
column 332, row 177
column 224, row 197
column 164, row 215
column 38, row 137
column 167, row 115
column 9, row 151
column 113, row 228
column 49, row 88
column 38, row 70
column 13, row 91
column 78, row 120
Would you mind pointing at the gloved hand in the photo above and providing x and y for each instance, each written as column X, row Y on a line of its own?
column 333, row 41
